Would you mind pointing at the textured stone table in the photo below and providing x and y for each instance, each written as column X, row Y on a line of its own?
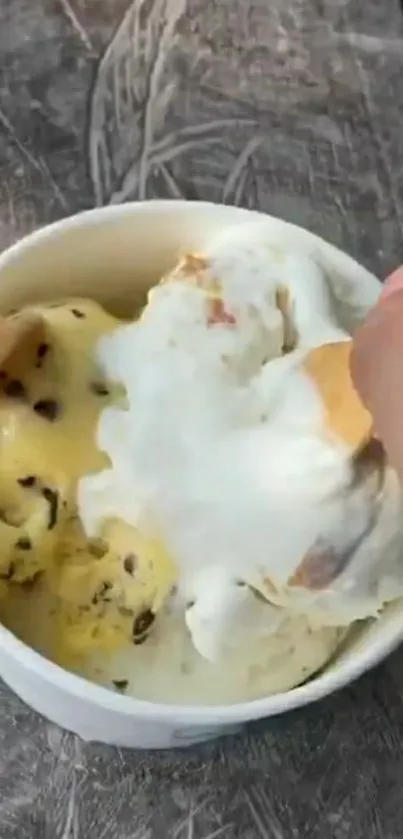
column 291, row 106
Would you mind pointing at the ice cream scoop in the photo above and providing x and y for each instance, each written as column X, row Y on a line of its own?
column 51, row 394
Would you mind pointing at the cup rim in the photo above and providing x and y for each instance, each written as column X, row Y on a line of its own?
column 105, row 699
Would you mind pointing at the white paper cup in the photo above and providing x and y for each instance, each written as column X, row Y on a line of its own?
column 114, row 254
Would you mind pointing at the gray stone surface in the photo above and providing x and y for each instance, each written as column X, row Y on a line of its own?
column 291, row 106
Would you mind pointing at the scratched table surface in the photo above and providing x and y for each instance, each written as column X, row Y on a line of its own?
column 291, row 107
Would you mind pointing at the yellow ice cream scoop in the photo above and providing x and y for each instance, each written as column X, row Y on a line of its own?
column 109, row 590
column 51, row 395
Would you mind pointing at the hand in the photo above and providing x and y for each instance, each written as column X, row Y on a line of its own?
column 377, row 367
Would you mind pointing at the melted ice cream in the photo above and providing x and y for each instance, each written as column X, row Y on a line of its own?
column 227, row 450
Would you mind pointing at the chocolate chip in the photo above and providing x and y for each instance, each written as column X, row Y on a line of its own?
column 3, row 375
column 99, row 389
column 42, row 350
column 129, row 563
column 53, row 500
column 9, row 573
column 24, row 544
column 142, row 623
column 27, row 482
column 120, row 684
column 140, row 639
column 15, row 389
column 77, row 313
column 41, row 354
column 100, row 594
column 47, row 408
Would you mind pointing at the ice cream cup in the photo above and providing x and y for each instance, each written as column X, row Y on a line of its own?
column 114, row 254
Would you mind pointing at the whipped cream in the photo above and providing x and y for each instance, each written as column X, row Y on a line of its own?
column 223, row 451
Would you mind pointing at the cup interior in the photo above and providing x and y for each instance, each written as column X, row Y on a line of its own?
column 114, row 255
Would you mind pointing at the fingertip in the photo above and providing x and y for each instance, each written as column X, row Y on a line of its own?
column 393, row 283
column 358, row 370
